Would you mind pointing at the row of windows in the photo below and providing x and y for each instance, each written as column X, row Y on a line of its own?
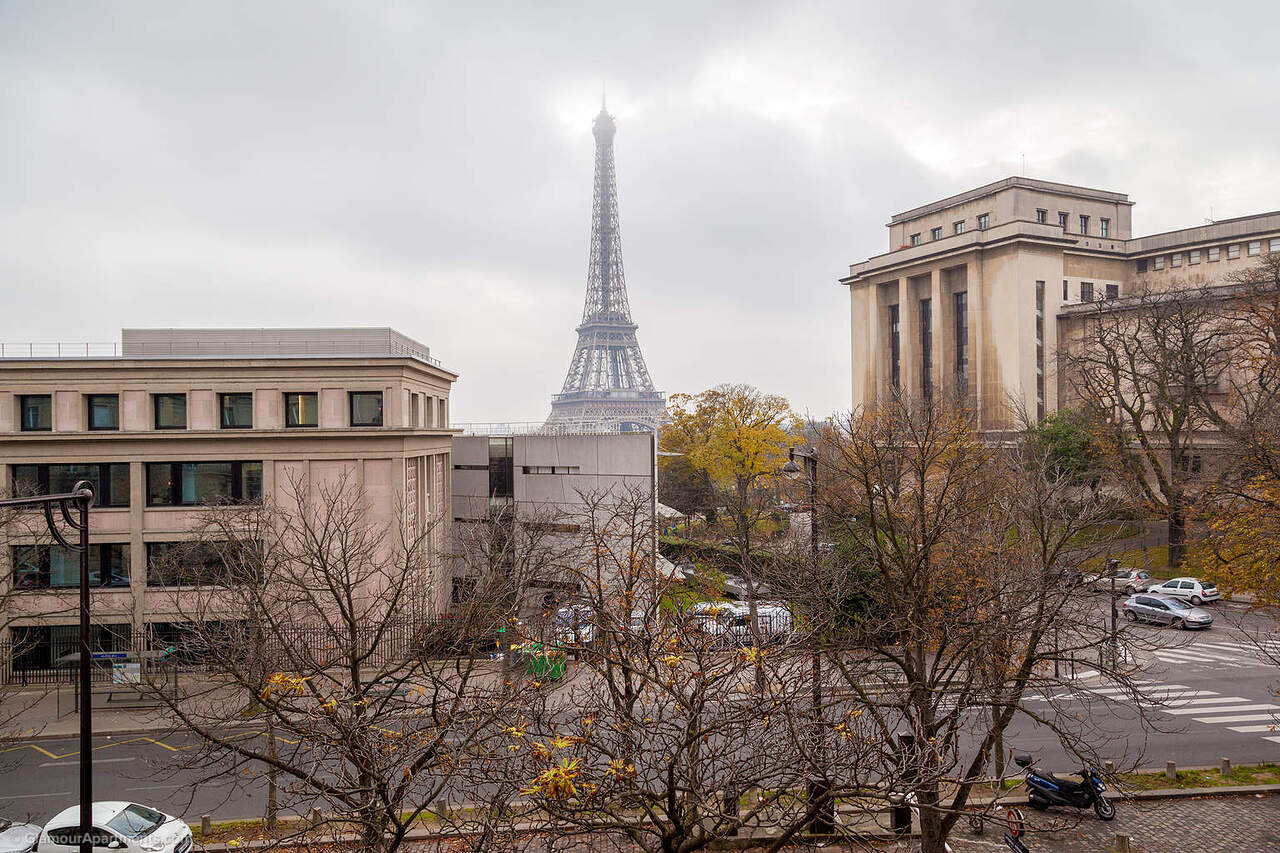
column 960, row 313
column 551, row 469
column 1086, row 291
column 958, row 227
column 169, row 411
column 1211, row 254
column 168, row 564
column 1064, row 222
column 168, row 483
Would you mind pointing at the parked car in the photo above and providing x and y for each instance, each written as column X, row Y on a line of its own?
column 1193, row 590
column 118, row 825
column 574, row 626
column 17, row 837
column 1164, row 610
column 1127, row 580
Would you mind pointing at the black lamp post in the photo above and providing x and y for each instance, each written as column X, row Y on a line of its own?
column 824, row 820
column 80, row 499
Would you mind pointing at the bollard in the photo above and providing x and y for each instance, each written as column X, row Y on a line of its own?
column 1224, row 766
column 206, row 825
column 1109, row 768
column 1122, row 843
column 1171, row 771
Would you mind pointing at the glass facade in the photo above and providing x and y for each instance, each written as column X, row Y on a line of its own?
column 301, row 409
column 502, row 480
column 235, row 411
column 1040, row 350
column 960, row 311
column 193, row 564
column 110, row 481
column 202, row 483
column 104, row 411
column 37, row 412
column 366, row 408
column 170, row 410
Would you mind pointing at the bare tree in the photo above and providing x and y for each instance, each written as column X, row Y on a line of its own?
column 317, row 627
column 948, row 609
column 1142, row 367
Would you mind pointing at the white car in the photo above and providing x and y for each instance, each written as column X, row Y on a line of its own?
column 118, row 825
column 1190, row 589
column 17, row 837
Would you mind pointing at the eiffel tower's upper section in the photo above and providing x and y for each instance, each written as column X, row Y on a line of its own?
column 606, row 301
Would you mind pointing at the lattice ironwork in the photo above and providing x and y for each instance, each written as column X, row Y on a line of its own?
column 608, row 387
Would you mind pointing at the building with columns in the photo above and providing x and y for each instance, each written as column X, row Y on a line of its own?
column 969, row 299
column 171, row 420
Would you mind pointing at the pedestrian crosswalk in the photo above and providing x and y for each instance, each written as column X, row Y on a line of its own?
column 1220, row 653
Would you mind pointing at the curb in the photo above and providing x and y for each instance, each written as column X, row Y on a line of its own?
column 734, row 843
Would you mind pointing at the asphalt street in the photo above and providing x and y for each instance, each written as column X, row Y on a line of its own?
column 1217, row 702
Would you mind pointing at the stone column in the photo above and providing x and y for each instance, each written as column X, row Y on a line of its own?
column 876, row 347
column 939, row 351
column 977, row 340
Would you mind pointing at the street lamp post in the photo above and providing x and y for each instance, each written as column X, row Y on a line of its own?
column 819, row 792
column 81, row 498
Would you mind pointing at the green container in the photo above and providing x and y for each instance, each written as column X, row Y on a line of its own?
column 543, row 663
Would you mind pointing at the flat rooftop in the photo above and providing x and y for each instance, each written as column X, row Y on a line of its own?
column 381, row 342
column 1051, row 187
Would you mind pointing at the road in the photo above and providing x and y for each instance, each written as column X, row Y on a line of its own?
column 1219, row 704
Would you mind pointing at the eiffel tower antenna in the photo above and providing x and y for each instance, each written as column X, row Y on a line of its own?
column 608, row 388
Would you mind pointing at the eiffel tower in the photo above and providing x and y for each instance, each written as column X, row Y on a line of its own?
column 608, row 388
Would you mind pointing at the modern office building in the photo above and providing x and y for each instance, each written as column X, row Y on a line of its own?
column 173, row 419
column 970, row 297
column 543, row 478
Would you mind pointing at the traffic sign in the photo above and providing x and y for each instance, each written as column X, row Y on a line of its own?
column 110, row 655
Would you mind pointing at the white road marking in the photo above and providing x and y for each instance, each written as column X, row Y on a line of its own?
column 1226, row 709
column 73, row 762
column 1274, row 738
column 1243, row 718
column 1274, row 727
column 1181, row 703
column 33, row 796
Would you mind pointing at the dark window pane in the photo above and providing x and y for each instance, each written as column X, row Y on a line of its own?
column 104, row 411
column 30, row 566
column 118, row 492
column 205, row 482
column 159, row 484
column 301, row 410
column 63, row 478
column 26, row 480
column 237, row 411
column 37, row 412
column 171, row 411
column 366, row 408
column 250, row 481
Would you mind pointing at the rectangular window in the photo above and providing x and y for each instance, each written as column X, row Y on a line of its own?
column 1175, row 260
column 1255, row 247
column 895, row 350
column 1084, row 224
column 1193, row 257
column 1066, row 293
column 1042, row 216
column 170, row 410
column 37, row 412
column 1062, row 220
column 502, row 479
column 1104, row 227
column 1274, row 245
column 1040, row 350
column 1158, row 262
column 366, row 408
column 110, row 481
column 1233, row 251
column 301, row 409
column 959, row 227
column 926, row 348
column 915, row 239
column 1113, row 291
column 236, row 411
column 551, row 469
column 52, row 566
column 1213, row 252
column 104, row 411
column 936, row 234
column 202, row 483
column 1142, row 265
column 196, row 564
column 1086, row 291
column 984, row 221
column 961, row 314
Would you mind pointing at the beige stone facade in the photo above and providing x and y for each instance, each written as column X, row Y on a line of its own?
column 261, row 407
column 968, row 299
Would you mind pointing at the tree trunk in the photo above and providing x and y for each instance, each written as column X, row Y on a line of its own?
column 932, row 837
column 273, row 803
column 1177, row 538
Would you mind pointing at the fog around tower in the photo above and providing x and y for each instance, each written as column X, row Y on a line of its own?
column 429, row 165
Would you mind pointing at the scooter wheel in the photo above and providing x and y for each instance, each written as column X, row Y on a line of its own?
column 1104, row 808
column 1038, row 803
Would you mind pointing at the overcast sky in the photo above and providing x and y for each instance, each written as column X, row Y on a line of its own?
column 427, row 166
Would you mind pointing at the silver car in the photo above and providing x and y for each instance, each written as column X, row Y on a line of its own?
column 17, row 837
column 1165, row 610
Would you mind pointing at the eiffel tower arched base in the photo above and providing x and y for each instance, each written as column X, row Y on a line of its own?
column 586, row 413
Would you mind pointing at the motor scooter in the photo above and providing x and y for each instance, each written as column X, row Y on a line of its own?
column 1045, row 789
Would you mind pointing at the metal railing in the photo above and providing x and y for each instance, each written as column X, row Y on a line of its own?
column 60, row 349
